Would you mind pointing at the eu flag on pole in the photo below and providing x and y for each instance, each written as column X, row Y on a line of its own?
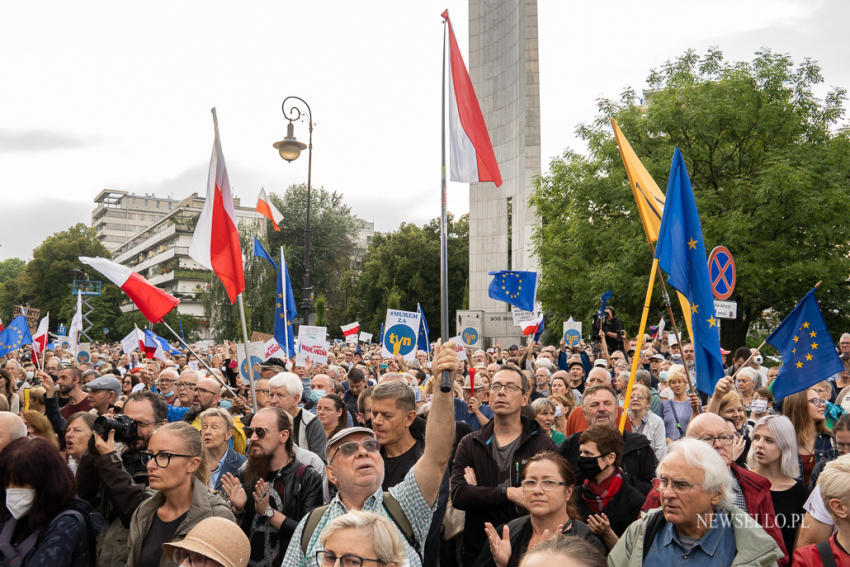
column 15, row 335
column 517, row 288
column 681, row 253
column 808, row 353
column 422, row 342
column 603, row 303
column 540, row 327
column 284, row 309
column 260, row 252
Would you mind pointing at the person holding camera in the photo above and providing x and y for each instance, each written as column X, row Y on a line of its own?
column 614, row 330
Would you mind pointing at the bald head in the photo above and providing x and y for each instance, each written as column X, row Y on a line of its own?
column 12, row 428
column 715, row 431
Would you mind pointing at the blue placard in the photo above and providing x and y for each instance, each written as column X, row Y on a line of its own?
column 572, row 337
column 470, row 336
column 256, row 361
column 400, row 335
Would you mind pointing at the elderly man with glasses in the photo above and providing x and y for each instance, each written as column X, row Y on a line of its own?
column 356, row 468
column 698, row 522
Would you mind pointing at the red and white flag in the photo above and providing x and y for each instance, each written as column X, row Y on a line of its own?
column 530, row 327
column 153, row 302
column 350, row 329
column 266, row 208
column 473, row 159
column 39, row 339
column 215, row 244
column 2, row 328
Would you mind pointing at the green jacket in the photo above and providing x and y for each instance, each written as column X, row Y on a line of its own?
column 204, row 505
column 755, row 547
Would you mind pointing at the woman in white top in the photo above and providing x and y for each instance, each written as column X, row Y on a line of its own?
column 647, row 423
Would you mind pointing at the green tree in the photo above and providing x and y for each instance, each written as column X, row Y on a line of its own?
column 403, row 267
column 770, row 174
column 10, row 268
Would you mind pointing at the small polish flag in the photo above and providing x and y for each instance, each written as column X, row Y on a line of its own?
column 351, row 329
column 153, row 302
column 530, row 327
column 473, row 159
column 39, row 339
column 2, row 328
column 266, row 208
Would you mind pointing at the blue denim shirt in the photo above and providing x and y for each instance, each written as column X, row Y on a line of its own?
column 717, row 547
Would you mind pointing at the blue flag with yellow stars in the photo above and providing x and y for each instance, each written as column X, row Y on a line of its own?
column 422, row 342
column 681, row 253
column 260, row 252
column 15, row 335
column 284, row 309
column 517, row 288
column 808, row 353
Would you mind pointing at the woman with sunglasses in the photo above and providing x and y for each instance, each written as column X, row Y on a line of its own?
column 178, row 472
column 360, row 538
column 814, row 442
column 547, row 483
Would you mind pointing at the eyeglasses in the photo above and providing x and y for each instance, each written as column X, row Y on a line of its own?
column 348, row 449
column 162, row 459
column 678, row 486
column 261, row 391
column 204, row 390
column 724, row 439
column 512, row 388
column 185, row 385
column 259, row 431
column 547, row 484
column 817, row 402
column 186, row 558
column 329, row 558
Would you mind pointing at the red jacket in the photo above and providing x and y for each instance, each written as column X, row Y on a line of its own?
column 809, row 555
column 756, row 491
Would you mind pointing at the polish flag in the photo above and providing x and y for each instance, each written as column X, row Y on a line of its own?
column 530, row 327
column 266, row 208
column 473, row 159
column 351, row 329
column 215, row 244
column 39, row 339
column 153, row 302
column 2, row 328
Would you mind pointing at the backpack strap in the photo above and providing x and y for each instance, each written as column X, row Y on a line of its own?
column 310, row 527
column 653, row 526
column 398, row 517
column 826, row 556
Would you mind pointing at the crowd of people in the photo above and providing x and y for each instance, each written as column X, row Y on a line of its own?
column 124, row 460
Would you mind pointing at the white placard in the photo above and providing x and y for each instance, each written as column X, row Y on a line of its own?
column 351, row 339
column 315, row 333
column 726, row 309
column 316, row 350
column 401, row 329
column 520, row 316
column 469, row 328
column 271, row 348
column 572, row 332
column 671, row 339
column 459, row 346
column 256, row 351
column 83, row 353
column 365, row 337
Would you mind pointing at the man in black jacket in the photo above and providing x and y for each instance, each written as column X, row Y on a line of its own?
column 638, row 460
column 487, row 465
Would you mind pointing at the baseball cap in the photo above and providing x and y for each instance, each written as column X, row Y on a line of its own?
column 575, row 363
column 336, row 439
column 273, row 362
column 601, row 362
column 105, row 382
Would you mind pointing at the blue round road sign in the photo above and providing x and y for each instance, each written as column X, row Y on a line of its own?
column 470, row 336
column 721, row 271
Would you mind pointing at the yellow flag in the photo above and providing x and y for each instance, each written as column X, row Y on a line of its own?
column 650, row 202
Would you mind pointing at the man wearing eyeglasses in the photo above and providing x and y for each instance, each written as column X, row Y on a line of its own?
column 751, row 491
column 486, row 469
column 356, row 468
column 185, row 388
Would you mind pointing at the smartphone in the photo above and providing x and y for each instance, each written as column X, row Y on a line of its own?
column 384, row 366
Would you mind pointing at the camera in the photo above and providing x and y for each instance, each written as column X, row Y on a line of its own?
column 125, row 428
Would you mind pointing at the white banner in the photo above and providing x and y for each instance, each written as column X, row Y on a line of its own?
column 315, row 333
column 351, row 339
column 130, row 343
column 572, row 332
column 459, row 346
column 315, row 349
column 401, row 329
column 469, row 328
column 83, row 353
column 271, row 348
column 520, row 316
column 365, row 337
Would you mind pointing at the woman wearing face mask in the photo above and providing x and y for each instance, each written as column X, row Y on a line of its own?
column 563, row 406
column 41, row 522
column 608, row 502
column 760, row 406
column 746, row 383
column 547, row 483
column 330, row 411
column 9, row 389
column 78, row 432
column 773, row 455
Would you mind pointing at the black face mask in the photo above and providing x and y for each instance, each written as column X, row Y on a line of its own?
column 589, row 467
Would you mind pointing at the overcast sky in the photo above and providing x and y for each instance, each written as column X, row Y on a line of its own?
column 104, row 94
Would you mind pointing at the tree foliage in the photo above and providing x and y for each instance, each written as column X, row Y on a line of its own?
column 770, row 172
column 403, row 267
column 10, row 268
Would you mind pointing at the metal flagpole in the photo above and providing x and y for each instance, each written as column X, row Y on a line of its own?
column 200, row 359
column 445, row 381
column 247, row 356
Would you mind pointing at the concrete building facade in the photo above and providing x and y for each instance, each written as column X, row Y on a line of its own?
column 503, row 66
column 119, row 215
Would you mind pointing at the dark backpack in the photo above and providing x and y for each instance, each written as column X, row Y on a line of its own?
column 11, row 556
column 392, row 507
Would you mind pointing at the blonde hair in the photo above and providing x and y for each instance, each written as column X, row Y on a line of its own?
column 676, row 371
column 41, row 425
column 833, row 483
column 388, row 547
column 191, row 439
column 219, row 413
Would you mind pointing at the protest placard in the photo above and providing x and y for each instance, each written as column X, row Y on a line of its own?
column 401, row 329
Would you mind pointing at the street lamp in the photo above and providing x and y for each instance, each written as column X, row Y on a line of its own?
column 289, row 149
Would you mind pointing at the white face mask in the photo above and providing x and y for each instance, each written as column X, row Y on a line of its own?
column 30, row 374
column 758, row 406
column 19, row 501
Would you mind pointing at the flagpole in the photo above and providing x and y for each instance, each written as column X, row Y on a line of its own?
column 200, row 359
column 247, row 356
column 445, row 381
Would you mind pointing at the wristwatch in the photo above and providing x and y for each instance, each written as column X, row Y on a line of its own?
column 269, row 513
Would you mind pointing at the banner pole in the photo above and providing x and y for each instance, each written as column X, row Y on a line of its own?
column 445, row 380
column 247, row 356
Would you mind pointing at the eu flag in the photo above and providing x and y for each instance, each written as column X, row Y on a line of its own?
column 260, row 252
column 517, row 288
column 422, row 342
column 15, row 335
column 603, row 303
column 151, row 340
column 808, row 353
column 284, row 309
column 681, row 253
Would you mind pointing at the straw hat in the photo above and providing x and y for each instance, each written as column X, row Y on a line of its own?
column 216, row 538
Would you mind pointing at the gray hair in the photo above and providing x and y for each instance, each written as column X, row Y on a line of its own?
column 219, row 413
column 397, row 390
column 785, row 436
column 750, row 373
column 288, row 380
column 699, row 454
column 385, row 539
column 544, row 363
column 170, row 371
column 542, row 404
column 600, row 370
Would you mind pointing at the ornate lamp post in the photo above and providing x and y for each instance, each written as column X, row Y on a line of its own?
column 289, row 149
